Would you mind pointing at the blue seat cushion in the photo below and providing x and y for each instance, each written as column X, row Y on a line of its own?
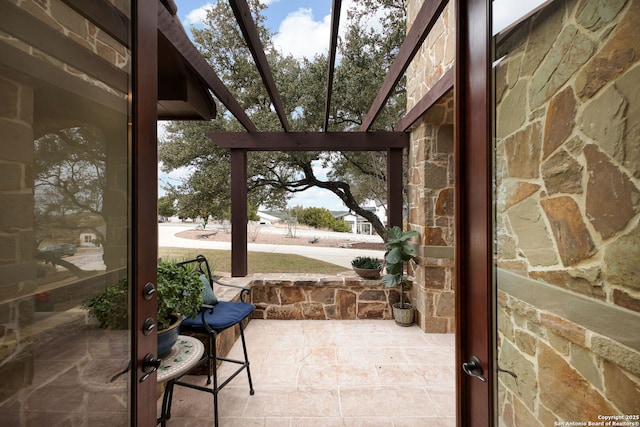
column 225, row 314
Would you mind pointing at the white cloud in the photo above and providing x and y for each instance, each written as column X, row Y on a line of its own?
column 197, row 16
column 301, row 36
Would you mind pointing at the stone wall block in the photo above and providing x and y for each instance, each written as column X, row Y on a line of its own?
column 533, row 236
column 444, row 202
column 291, row 295
column 510, row 117
column 560, row 119
column 623, row 299
column 445, row 306
column 345, row 305
column 564, row 328
column 604, row 120
column 372, row 310
column 373, row 295
column 594, row 15
column 313, row 311
column 434, row 277
column 9, row 96
column 622, row 388
column 621, row 261
column 264, row 294
column 561, row 386
column 525, row 342
column 435, row 175
column 524, row 417
column 564, row 279
column 546, row 30
column 282, row 312
column 516, row 191
column 323, row 295
column 562, row 174
column 569, row 53
column 18, row 210
column 628, row 359
column 526, row 385
column 17, row 142
column 11, row 177
column 628, row 86
column 572, row 237
column 612, row 199
column 614, row 57
column 523, row 152
column 585, row 362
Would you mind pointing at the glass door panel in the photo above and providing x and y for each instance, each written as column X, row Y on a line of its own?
column 64, row 216
column 567, row 212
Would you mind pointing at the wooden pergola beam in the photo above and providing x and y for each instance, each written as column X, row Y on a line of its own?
column 173, row 32
column 426, row 18
column 333, row 44
column 442, row 86
column 250, row 32
column 310, row 141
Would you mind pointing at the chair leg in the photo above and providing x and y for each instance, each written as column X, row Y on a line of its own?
column 214, row 358
column 246, row 359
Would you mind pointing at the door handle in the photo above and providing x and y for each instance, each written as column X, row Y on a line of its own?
column 473, row 368
column 150, row 364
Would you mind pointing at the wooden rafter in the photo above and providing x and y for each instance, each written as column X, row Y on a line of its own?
column 442, row 86
column 310, row 141
column 333, row 44
column 250, row 32
column 426, row 18
column 174, row 33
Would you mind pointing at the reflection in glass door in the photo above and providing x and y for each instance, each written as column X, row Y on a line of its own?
column 64, row 217
column 567, row 232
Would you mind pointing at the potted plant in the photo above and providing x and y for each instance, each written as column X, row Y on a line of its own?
column 179, row 291
column 399, row 252
column 367, row 267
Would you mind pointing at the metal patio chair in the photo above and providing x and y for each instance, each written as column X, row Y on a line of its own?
column 214, row 318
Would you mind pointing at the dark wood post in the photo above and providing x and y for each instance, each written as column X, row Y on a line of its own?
column 239, row 215
column 394, row 187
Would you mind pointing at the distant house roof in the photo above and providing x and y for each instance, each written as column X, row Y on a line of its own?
column 273, row 215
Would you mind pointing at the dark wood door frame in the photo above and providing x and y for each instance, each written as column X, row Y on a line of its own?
column 474, row 295
column 144, row 187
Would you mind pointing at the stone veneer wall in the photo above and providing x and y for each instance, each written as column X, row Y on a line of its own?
column 568, row 209
column 431, row 178
column 287, row 296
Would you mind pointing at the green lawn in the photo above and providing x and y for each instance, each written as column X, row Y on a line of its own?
column 259, row 262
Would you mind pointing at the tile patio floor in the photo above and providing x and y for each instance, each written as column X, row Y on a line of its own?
column 332, row 373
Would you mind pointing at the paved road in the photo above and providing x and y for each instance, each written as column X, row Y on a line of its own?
column 339, row 256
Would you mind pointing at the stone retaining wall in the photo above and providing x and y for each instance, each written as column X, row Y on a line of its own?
column 286, row 296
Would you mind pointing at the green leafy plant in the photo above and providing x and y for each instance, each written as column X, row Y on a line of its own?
column 179, row 292
column 110, row 307
column 366, row 262
column 399, row 252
